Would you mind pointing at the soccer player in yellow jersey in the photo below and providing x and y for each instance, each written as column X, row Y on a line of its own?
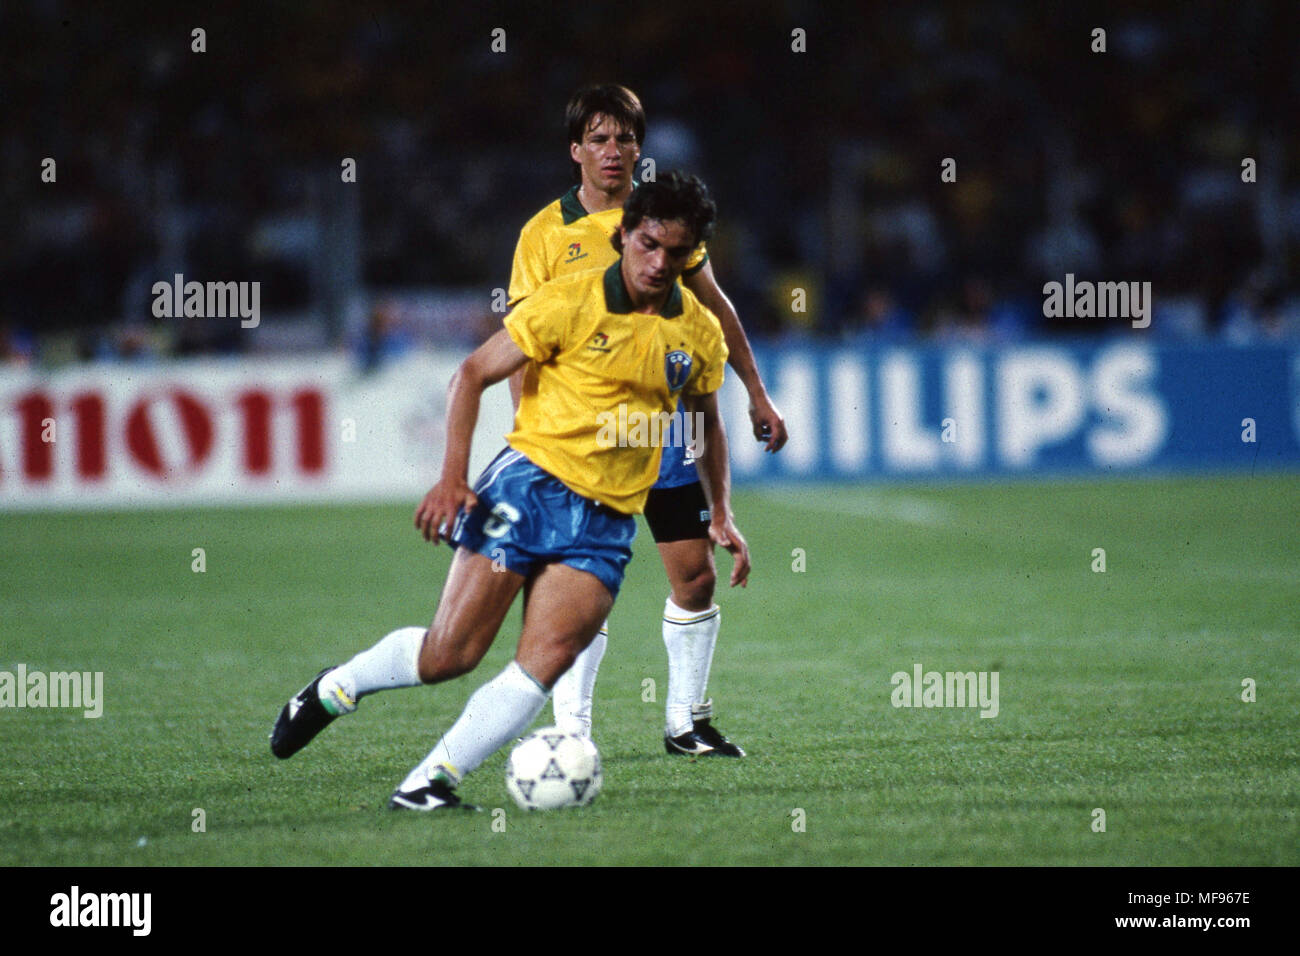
column 555, row 509
column 606, row 126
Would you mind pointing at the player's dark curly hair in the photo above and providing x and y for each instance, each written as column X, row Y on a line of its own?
column 617, row 102
column 674, row 195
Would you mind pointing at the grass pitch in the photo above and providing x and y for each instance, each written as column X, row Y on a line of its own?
column 1119, row 690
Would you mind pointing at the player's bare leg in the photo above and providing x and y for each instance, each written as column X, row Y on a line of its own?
column 563, row 611
column 475, row 600
column 691, row 624
column 692, row 575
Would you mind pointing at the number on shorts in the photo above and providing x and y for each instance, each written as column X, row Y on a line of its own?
column 503, row 516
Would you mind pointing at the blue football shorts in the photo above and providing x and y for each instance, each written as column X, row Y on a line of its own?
column 676, row 464
column 526, row 517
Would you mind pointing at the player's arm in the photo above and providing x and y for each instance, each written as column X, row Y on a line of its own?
column 714, row 468
column 491, row 362
column 769, row 426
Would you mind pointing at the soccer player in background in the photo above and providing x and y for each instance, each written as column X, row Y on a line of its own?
column 606, row 127
column 555, row 509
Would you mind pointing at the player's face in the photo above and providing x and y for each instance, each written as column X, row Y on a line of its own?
column 654, row 255
column 607, row 155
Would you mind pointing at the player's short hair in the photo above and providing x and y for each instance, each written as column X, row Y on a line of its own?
column 674, row 195
column 617, row 102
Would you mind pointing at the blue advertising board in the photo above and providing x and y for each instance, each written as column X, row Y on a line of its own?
column 1114, row 407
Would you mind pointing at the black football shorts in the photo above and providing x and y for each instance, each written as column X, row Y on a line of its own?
column 677, row 514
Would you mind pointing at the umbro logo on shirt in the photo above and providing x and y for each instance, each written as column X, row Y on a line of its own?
column 599, row 343
column 575, row 253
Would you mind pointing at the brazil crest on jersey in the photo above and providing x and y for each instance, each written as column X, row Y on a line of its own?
column 603, row 382
column 564, row 238
column 677, row 369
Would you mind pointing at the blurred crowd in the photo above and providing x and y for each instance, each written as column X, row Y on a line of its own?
column 1123, row 165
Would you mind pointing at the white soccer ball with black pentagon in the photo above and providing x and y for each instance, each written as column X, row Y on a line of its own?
column 550, row 769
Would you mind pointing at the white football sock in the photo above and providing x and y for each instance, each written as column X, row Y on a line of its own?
column 690, row 637
column 393, row 662
column 496, row 713
column 572, row 694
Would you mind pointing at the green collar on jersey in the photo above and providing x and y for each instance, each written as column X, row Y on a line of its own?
column 618, row 301
column 571, row 210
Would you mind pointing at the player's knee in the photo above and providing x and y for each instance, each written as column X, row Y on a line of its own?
column 439, row 662
column 546, row 663
column 695, row 592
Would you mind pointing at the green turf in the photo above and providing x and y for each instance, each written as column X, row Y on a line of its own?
column 1119, row 690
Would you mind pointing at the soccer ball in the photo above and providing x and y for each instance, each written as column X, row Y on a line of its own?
column 550, row 769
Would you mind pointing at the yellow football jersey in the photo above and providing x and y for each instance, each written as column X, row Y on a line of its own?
column 564, row 238
column 604, row 381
